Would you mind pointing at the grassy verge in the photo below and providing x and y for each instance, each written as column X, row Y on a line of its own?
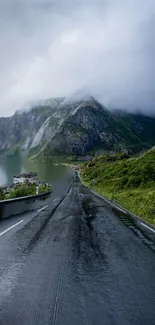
column 24, row 190
column 129, row 181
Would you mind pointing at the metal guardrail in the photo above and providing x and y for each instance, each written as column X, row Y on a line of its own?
column 19, row 205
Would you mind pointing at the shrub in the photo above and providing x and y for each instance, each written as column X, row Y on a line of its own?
column 148, row 172
column 44, row 188
column 2, row 195
column 30, row 189
column 134, row 181
column 123, row 182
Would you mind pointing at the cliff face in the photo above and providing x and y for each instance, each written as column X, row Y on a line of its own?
column 32, row 128
column 59, row 126
column 91, row 127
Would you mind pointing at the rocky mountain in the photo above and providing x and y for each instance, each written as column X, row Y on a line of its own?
column 61, row 126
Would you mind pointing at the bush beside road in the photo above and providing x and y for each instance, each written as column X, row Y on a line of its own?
column 22, row 190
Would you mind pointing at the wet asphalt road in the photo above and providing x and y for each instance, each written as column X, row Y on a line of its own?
column 75, row 263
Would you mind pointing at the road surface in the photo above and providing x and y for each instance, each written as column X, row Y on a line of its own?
column 75, row 262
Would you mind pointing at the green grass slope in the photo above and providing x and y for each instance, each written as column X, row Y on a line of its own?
column 129, row 181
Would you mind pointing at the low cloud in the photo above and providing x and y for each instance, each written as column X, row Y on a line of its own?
column 57, row 48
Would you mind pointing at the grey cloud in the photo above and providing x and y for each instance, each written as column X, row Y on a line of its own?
column 56, row 48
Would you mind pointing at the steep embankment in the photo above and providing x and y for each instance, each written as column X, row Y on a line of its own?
column 130, row 181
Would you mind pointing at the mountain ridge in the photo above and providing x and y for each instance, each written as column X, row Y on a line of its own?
column 63, row 126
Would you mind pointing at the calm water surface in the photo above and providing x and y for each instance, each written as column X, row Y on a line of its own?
column 12, row 165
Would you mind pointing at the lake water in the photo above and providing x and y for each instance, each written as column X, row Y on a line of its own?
column 12, row 165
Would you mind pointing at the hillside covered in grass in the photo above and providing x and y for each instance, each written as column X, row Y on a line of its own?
column 128, row 180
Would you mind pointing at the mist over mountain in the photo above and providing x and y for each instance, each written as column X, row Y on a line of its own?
column 57, row 48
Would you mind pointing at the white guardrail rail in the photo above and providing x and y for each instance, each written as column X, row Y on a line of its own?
column 20, row 205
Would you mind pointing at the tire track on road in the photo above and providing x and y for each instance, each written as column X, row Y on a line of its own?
column 58, row 285
column 37, row 236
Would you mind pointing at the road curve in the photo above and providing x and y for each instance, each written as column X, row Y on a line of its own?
column 75, row 262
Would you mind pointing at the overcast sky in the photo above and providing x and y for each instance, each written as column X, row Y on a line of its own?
column 58, row 47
